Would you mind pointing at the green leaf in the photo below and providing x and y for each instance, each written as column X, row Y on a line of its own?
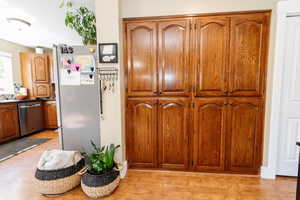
column 69, row 4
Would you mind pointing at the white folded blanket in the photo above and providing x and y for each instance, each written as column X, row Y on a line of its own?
column 58, row 159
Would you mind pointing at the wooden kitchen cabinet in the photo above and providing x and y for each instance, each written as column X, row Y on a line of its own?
column 141, row 58
column 248, row 54
column 50, row 114
column 212, row 56
column 245, row 135
column 40, row 68
column 9, row 122
column 174, row 57
column 141, row 138
column 35, row 70
column 209, row 134
column 173, row 133
column 41, row 90
column 195, row 90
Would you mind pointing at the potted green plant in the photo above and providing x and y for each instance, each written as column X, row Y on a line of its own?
column 101, row 176
column 83, row 21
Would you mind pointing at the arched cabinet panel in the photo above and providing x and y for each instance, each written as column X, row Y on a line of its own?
column 212, row 43
column 141, row 135
column 209, row 134
column 141, row 58
column 248, row 55
column 174, row 57
column 173, row 132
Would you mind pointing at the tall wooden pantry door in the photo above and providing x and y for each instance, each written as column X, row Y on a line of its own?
column 141, row 54
column 174, row 57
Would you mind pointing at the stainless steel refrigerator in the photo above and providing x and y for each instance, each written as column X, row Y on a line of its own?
column 78, row 96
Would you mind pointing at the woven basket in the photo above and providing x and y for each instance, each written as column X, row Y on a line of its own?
column 54, row 182
column 96, row 186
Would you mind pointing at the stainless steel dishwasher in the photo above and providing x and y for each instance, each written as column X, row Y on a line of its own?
column 31, row 117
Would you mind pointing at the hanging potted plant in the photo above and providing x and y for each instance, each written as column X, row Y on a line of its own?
column 83, row 21
column 101, row 176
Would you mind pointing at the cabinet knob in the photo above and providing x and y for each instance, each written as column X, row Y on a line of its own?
column 225, row 91
column 225, row 103
column 230, row 91
column 230, row 102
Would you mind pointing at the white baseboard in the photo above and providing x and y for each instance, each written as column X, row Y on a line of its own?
column 124, row 170
column 267, row 173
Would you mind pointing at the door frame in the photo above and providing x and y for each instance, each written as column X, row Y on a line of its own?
column 283, row 10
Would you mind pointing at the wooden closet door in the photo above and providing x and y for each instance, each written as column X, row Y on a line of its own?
column 40, row 69
column 248, row 54
column 212, row 56
column 244, row 138
column 173, row 133
column 174, row 57
column 141, row 132
column 141, row 58
column 209, row 134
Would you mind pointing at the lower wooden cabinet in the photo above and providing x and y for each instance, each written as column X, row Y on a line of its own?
column 228, row 134
column 141, row 138
column 209, row 134
column 9, row 122
column 216, row 135
column 245, row 135
column 173, row 127
column 157, row 132
column 50, row 114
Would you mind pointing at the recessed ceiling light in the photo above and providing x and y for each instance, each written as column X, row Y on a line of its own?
column 20, row 24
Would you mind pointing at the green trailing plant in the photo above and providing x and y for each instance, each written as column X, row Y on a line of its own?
column 83, row 21
column 102, row 159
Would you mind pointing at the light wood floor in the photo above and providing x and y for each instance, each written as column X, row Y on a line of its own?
column 16, row 175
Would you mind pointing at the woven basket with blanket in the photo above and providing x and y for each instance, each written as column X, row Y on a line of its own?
column 57, row 172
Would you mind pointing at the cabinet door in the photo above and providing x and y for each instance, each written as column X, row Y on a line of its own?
column 248, row 54
column 212, row 56
column 141, row 58
column 9, row 122
column 173, row 57
column 41, row 90
column 244, row 139
column 40, row 69
column 209, row 134
column 173, row 133
column 141, row 132
column 51, row 115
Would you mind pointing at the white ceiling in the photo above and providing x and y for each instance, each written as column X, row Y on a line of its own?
column 47, row 22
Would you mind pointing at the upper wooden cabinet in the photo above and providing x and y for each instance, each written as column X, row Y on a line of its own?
column 173, row 129
column 245, row 135
column 211, row 55
column 9, row 122
column 141, row 138
column 248, row 54
column 141, row 58
column 36, row 78
column 209, row 134
column 214, row 55
column 40, row 68
column 174, row 57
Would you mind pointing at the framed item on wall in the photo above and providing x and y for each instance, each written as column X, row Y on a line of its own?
column 108, row 53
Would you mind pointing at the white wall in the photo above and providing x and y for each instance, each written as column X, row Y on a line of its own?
column 139, row 8
column 14, row 49
column 109, row 31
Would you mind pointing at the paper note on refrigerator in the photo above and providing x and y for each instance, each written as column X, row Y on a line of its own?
column 87, row 62
column 87, row 79
column 69, row 77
